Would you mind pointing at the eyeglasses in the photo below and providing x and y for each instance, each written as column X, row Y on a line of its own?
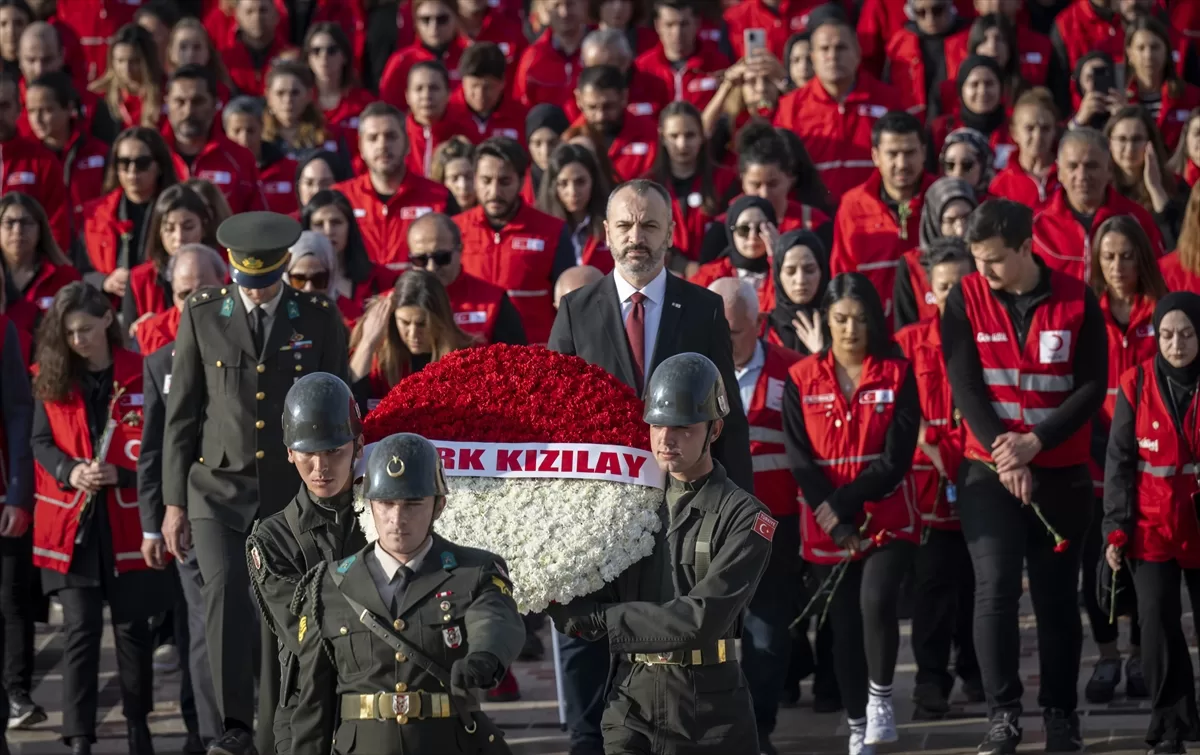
column 440, row 258
column 933, row 11
column 966, row 166
column 140, row 164
column 330, row 51
column 14, row 224
column 747, row 230
column 319, row 280
column 440, row 19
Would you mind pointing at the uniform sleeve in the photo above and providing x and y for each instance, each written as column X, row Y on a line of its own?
column 16, row 401
column 814, row 485
column 315, row 714
column 1120, row 470
column 732, row 449
column 1091, row 380
column 562, row 335
column 712, row 606
column 508, row 324
column 965, row 373
column 46, row 451
column 275, row 578
column 904, row 299
column 335, row 354
column 492, row 622
column 885, row 473
column 185, row 408
column 564, row 255
column 149, row 463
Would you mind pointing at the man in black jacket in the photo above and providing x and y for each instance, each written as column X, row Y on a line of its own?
column 629, row 322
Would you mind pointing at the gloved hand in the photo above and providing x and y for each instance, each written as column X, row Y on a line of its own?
column 479, row 670
column 589, row 626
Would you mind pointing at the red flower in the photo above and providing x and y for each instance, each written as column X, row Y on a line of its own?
column 512, row 394
column 881, row 537
column 124, row 228
column 1118, row 538
column 1062, row 545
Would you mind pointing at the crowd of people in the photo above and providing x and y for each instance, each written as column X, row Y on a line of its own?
column 835, row 174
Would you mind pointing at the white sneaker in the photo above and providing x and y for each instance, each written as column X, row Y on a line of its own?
column 881, row 721
column 857, row 744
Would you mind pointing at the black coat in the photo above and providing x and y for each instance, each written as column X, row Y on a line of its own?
column 156, row 377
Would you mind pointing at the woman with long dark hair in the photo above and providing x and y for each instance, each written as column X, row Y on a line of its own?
column 87, row 534
column 1153, row 79
column 850, row 444
column 402, row 333
column 947, row 203
column 800, row 267
column 319, row 170
column 1139, row 169
column 34, row 267
column 292, row 121
column 356, row 278
column 575, row 190
column 752, row 229
column 1185, row 162
column 190, row 44
column 1181, row 268
column 331, row 60
column 132, row 85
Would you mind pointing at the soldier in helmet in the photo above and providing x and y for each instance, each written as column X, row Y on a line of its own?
column 671, row 619
column 394, row 637
column 322, row 430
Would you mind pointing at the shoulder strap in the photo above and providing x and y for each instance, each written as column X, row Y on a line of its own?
column 704, row 545
column 308, row 545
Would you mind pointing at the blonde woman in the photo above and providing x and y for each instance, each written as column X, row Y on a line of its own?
column 132, row 84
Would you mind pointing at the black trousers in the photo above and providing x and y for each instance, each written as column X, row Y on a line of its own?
column 1166, row 659
column 83, row 625
column 1004, row 538
column 944, row 610
column 766, row 641
column 863, row 617
column 585, row 674
column 230, row 619
column 1093, row 550
column 19, row 589
column 208, row 722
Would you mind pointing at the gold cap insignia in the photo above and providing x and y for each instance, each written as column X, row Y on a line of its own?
column 252, row 263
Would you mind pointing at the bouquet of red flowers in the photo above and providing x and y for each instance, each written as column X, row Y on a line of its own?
column 547, row 461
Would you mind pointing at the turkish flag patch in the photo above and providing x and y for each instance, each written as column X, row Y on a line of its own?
column 765, row 526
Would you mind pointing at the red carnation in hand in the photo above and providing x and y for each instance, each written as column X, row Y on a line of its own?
column 124, row 228
column 1118, row 538
column 1061, row 546
column 881, row 537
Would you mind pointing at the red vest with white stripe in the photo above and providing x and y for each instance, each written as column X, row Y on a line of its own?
column 1027, row 384
column 845, row 437
column 56, row 511
column 773, row 481
column 1164, row 517
column 476, row 304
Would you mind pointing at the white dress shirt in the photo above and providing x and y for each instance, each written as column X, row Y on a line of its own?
column 656, row 294
column 269, row 307
column 390, row 565
column 747, row 376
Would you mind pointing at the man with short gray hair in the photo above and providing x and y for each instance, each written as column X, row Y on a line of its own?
column 1063, row 229
column 192, row 267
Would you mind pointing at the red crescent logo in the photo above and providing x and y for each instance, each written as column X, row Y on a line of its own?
column 1056, row 341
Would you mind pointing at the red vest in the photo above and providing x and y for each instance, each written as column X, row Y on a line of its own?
column 148, row 294
column 1177, row 278
column 689, row 234
column 846, row 436
column 1061, row 241
column 278, row 187
column 158, row 331
column 476, row 304
column 519, row 258
column 1165, row 517
column 773, row 481
column 56, row 511
column 722, row 267
column 45, row 285
column 906, row 70
column 1027, row 385
column 918, row 279
column 384, row 227
column 1014, row 183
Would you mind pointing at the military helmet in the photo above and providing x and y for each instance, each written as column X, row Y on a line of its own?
column 320, row 414
column 684, row 390
column 401, row 466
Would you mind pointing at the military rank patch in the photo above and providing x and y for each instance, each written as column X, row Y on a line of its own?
column 293, row 309
column 257, row 559
column 303, row 629
column 346, row 564
column 504, row 588
column 448, row 560
column 452, row 636
column 227, row 307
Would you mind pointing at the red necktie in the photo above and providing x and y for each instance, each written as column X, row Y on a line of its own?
column 635, row 331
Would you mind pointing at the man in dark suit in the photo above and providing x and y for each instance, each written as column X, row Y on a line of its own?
column 628, row 322
column 238, row 351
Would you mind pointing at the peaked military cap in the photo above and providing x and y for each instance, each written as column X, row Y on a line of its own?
column 258, row 243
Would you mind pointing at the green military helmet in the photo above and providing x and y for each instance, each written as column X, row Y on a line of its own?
column 320, row 414
column 257, row 244
column 685, row 389
column 403, row 466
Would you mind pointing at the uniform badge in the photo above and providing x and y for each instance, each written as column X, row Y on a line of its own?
column 504, row 588
column 345, row 565
column 765, row 526
column 227, row 307
column 293, row 309
column 452, row 636
column 257, row 559
column 503, row 572
column 133, row 419
column 445, row 594
column 448, row 560
column 303, row 629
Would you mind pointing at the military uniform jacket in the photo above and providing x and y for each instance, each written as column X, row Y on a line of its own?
column 458, row 601
column 223, row 431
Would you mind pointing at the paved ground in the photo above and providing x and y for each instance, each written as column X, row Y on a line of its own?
column 532, row 723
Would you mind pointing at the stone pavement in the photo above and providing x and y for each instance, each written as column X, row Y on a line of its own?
column 532, row 723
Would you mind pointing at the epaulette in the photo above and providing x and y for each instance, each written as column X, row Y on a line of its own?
column 317, row 301
column 209, row 295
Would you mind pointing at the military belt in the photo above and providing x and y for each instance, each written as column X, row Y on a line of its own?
column 710, row 656
column 398, row 706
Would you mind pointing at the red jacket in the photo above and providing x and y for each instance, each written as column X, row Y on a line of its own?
column 1177, row 103
column 506, row 31
column 694, row 81
column 278, row 185
column 847, row 446
column 49, row 279
column 906, row 70
column 518, row 258
column 921, row 343
column 423, row 140
column 344, row 115
column 89, row 104
column 722, row 267
column 384, row 226
column 780, row 23
column 838, row 135
column 230, row 167
column 94, row 22
column 508, row 119
column 689, row 234
column 867, row 238
column 103, row 232
column 158, row 331
column 1165, row 527
column 634, row 148
column 25, row 317
column 148, row 294
column 476, row 303
column 647, row 96
column 1014, row 183
column 28, row 167
column 773, row 481
column 544, row 74
column 918, row 282
column 394, row 81
column 1176, row 277
column 879, row 20
column 1047, row 359
column 83, row 164
column 56, row 511
column 221, row 26
column 74, row 60
column 1064, row 244
column 1083, row 30
column 247, row 77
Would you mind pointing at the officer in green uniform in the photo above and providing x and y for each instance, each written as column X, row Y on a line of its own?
column 671, row 619
column 394, row 638
column 323, row 432
column 238, row 351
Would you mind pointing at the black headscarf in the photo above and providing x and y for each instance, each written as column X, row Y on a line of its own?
column 548, row 116
column 1180, row 382
column 743, row 203
column 939, row 194
column 985, row 123
column 785, row 309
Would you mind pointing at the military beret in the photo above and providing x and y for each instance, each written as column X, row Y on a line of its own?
column 258, row 244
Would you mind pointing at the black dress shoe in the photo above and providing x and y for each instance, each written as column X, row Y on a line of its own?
column 233, row 742
column 81, row 746
column 140, row 743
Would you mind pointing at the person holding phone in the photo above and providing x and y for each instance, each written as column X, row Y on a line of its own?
column 1096, row 92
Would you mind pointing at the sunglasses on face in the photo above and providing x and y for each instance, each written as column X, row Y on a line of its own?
column 747, row 230
column 319, row 280
column 440, row 19
column 966, row 166
column 140, row 164
column 440, row 258
column 933, row 11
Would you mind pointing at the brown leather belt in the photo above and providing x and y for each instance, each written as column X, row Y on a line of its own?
column 710, row 656
column 399, row 706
